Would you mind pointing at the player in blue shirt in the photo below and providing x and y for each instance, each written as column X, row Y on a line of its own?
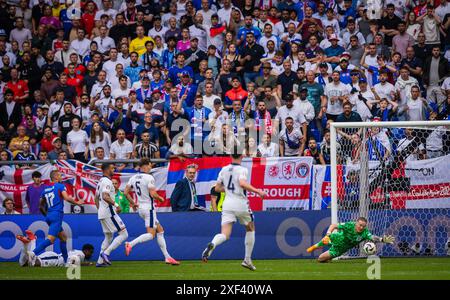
column 52, row 207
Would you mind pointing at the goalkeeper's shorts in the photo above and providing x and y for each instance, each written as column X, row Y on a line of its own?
column 336, row 251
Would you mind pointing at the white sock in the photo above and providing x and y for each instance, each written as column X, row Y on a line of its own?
column 219, row 239
column 249, row 243
column 122, row 237
column 23, row 259
column 141, row 239
column 32, row 245
column 162, row 244
column 105, row 244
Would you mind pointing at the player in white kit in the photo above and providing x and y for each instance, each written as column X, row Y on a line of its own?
column 143, row 185
column 50, row 258
column 108, row 216
column 232, row 180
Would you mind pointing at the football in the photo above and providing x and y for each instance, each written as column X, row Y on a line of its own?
column 370, row 248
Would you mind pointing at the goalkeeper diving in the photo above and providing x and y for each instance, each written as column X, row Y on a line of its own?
column 345, row 236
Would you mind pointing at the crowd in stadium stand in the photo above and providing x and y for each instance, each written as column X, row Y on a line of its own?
column 117, row 79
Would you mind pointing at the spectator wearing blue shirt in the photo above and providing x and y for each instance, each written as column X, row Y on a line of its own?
column 147, row 126
column 348, row 11
column 290, row 5
column 198, row 117
column 134, row 69
column 248, row 27
column 345, row 69
column 176, row 71
column 121, row 119
column 186, row 88
column 334, row 52
column 146, row 58
column 157, row 83
column 173, row 97
column 145, row 90
column 169, row 55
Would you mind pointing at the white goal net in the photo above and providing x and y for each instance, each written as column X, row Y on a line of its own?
column 397, row 175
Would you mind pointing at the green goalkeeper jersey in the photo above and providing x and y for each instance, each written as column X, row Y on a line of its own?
column 347, row 237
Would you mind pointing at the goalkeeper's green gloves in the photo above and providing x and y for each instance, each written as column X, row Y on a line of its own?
column 387, row 239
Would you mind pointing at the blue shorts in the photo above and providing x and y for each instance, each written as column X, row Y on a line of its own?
column 54, row 221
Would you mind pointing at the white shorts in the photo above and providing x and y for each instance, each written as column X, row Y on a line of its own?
column 112, row 224
column 244, row 217
column 149, row 217
column 51, row 259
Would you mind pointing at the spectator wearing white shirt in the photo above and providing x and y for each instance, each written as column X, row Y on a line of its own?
column 206, row 12
column 384, row 88
column 443, row 9
column 209, row 97
column 173, row 13
column 180, row 148
column 84, row 111
column 434, row 142
column 404, row 84
column 99, row 85
column 123, row 90
column 282, row 26
column 78, row 142
column 363, row 100
column 217, row 117
column 107, row 10
column 351, row 31
column 115, row 79
column 8, row 206
column 331, row 21
column 104, row 42
column 304, row 105
column 158, row 29
column 199, row 31
column 336, row 93
column 63, row 55
column 291, row 139
column 416, row 106
column 269, row 36
column 293, row 112
column 121, row 149
column 267, row 148
column 81, row 45
column 225, row 12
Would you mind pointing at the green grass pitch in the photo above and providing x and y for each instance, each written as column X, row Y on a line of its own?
column 391, row 268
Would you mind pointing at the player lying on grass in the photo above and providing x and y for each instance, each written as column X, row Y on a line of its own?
column 232, row 180
column 50, row 258
column 143, row 185
column 343, row 237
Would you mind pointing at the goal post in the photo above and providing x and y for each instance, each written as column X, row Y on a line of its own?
column 397, row 175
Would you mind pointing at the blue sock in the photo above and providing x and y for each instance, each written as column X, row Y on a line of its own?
column 63, row 246
column 42, row 246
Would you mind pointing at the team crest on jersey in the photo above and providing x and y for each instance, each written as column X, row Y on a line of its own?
column 302, row 170
column 288, row 169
